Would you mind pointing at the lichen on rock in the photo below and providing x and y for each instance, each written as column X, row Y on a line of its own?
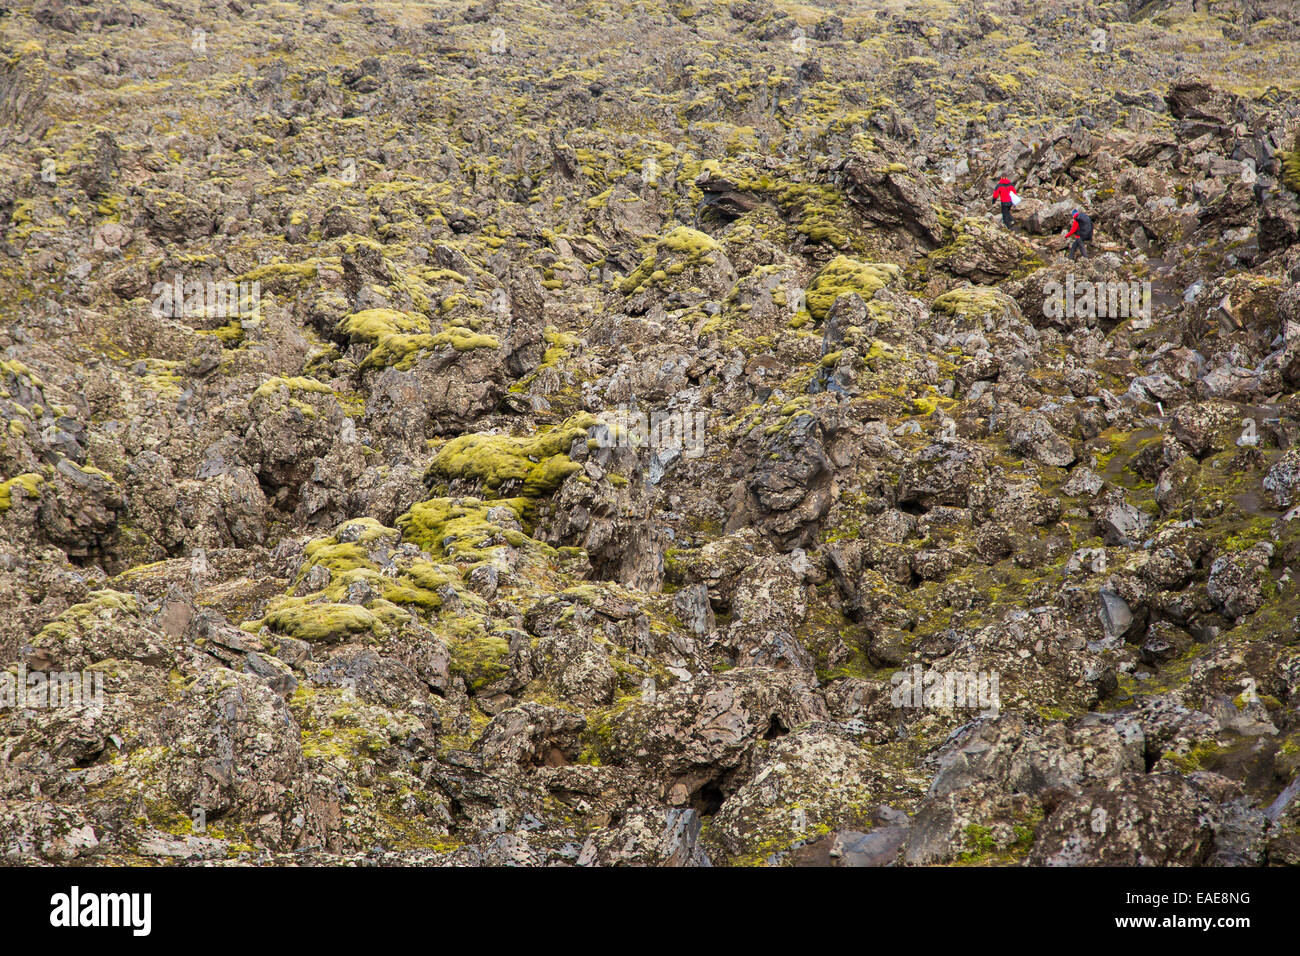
column 657, row 456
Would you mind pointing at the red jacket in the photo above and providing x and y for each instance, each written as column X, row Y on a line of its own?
column 1004, row 191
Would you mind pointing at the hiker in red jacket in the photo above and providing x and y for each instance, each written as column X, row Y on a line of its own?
column 1081, row 230
column 1003, row 194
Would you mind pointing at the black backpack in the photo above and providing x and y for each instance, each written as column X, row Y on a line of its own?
column 1085, row 226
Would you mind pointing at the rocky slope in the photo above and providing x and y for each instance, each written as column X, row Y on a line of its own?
column 384, row 569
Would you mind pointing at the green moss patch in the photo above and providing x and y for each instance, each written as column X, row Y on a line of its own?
column 973, row 301
column 1291, row 168
column 322, row 623
column 373, row 325
column 400, row 350
column 296, row 384
column 534, row 465
column 29, row 482
column 843, row 275
column 480, row 660
column 682, row 246
column 460, row 528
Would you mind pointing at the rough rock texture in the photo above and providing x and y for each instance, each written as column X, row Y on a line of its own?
column 573, row 434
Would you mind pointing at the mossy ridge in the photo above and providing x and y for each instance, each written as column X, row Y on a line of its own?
column 19, row 371
column 100, row 606
column 558, row 344
column 817, row 210
column 162, row 376
column 535, row 466
column 1172, row 675
column 775, row 850
column 291, row 384
column 973, row 301
column 415, row 582
column 400, row 350
column 230, row 335
column 460, row 529
column 279, row 275
column 1191, row 757
column 968, row 230
column 408, row 589
column 1001, row 844
column 336, row 724
column 843, row 275
column 686, row 246
column 393, row 809
column 372, row 325
column 327, row 623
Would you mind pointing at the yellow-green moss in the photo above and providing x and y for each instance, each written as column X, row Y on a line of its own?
column 843, row 275
column 29, row 481
column 229, row 335
column 403, row 586
column 972, row 301
column 18, row 370
column 322, row 623
column 372, row 325
column 460, row 527
column 1194, row 757
column 81, row 617
column 480, row 660
column 296, row 384
column 400, row 350
column 690, row 245
column 539, row 463
column 1291, row 169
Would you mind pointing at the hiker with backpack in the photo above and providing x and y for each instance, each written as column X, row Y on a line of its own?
column 1006, row 195
column 1081, row 230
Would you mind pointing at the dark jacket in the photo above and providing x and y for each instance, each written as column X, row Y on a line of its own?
column 1082, row 225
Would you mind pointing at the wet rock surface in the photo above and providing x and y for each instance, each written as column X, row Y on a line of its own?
column 456, row 435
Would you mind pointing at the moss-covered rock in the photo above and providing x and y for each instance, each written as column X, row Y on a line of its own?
column 29, row 483
column 464, row 528
column 322, row 623
column 534, row 466
column 843, row 275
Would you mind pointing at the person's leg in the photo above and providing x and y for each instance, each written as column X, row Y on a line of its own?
column 1076, row 248
column 1006, row 214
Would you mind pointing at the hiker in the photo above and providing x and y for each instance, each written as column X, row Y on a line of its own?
column 1006, row 194
column 1081, row 230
